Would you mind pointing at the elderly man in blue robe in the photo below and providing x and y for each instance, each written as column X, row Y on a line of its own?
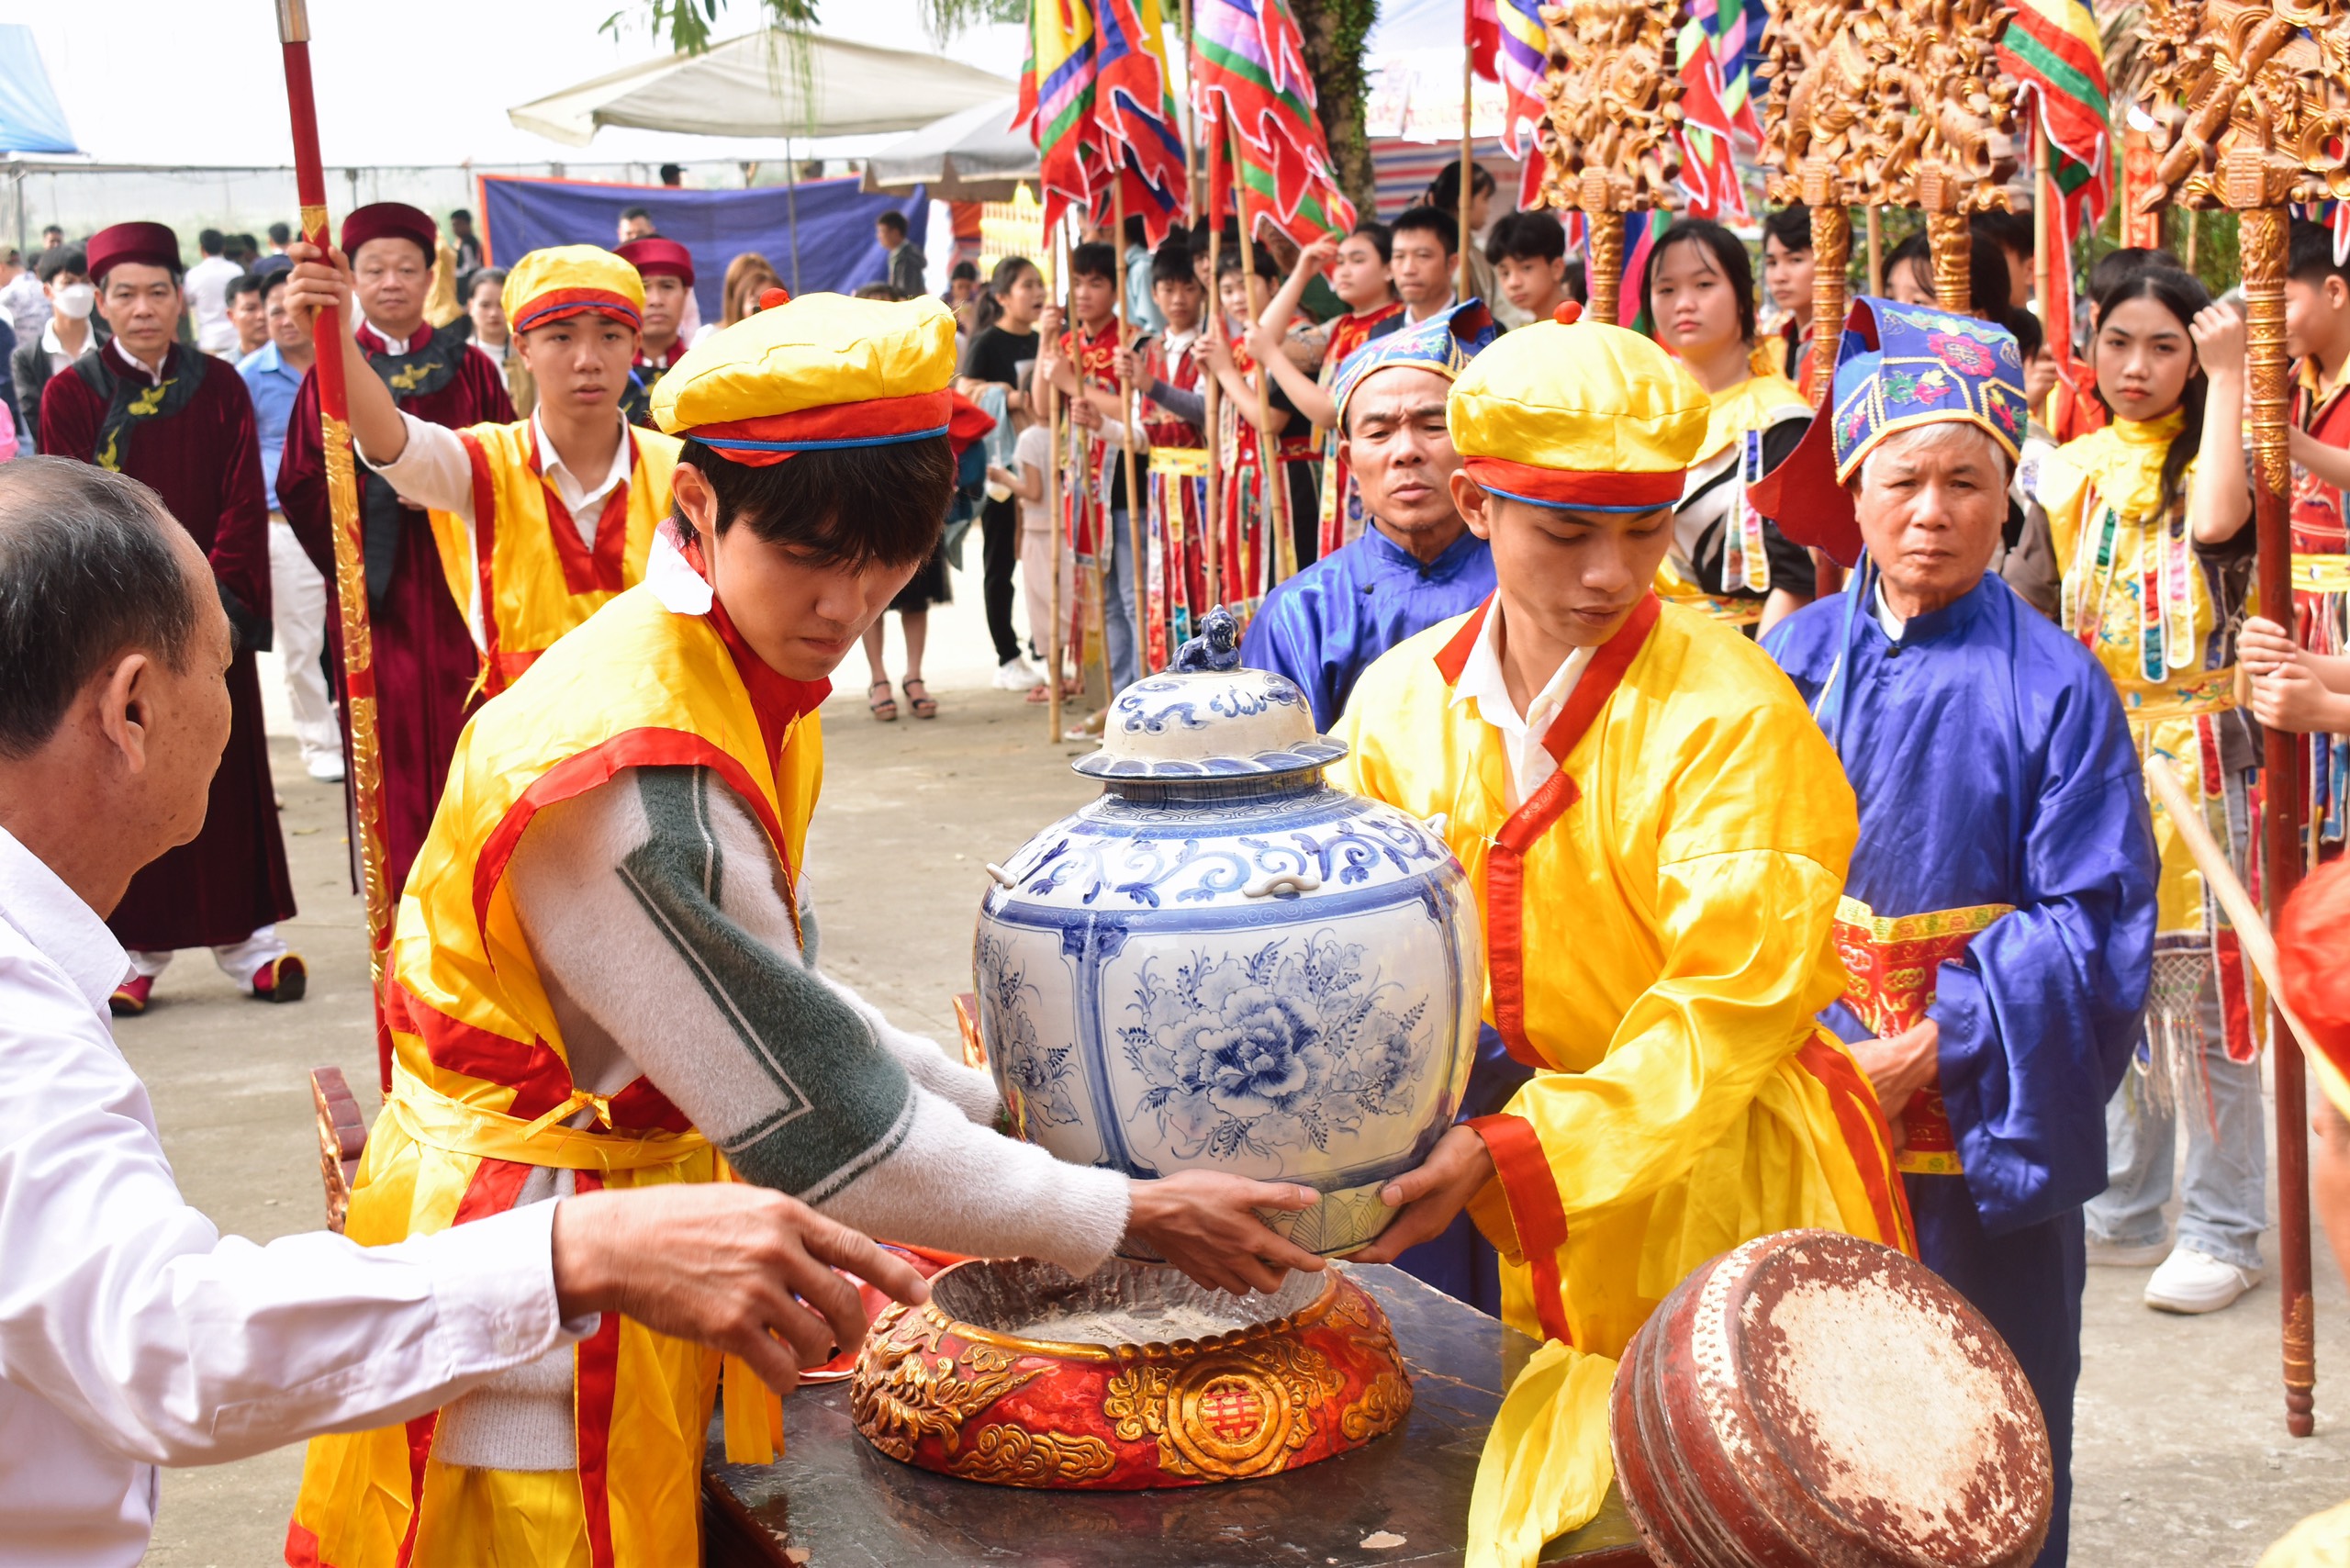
column 1999, row 920
column 1418, row 563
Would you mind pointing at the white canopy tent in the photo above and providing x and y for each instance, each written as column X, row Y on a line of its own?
column 753, row 85
column 969, row 155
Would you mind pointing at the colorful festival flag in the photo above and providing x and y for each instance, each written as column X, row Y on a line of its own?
column 1057, row 92
column 1141, row 138
column 1523, row 52
column 2052, row 47
column 1708, row 161
column 1737, row 36
column 1249, row 64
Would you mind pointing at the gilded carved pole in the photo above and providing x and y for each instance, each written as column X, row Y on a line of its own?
column 1956, row 145
column 359, row 694
column 1613, row 145
column 1824, row 129
column 2248, row 105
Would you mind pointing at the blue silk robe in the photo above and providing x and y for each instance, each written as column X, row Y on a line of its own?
column 1324, row 626
column 1992, row 768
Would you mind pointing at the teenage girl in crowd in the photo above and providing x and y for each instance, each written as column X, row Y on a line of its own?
column 2147, row 518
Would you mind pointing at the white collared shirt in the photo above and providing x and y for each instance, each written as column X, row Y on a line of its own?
column 1891, row 625
column 131, row 361
column 433, row 472
column 1482, row 682
column 133, row 1334
column 58, row 359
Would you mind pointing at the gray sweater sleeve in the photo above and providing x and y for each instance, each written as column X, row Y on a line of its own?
column 1191, row 407
column 655, row 909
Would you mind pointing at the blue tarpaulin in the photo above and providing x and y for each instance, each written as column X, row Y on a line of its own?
column 832, row 220
column 30, row 117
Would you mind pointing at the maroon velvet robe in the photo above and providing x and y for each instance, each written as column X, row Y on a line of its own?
column 205, row 461
column 425, row 658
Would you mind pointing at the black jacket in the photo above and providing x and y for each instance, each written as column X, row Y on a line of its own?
column 28, row 374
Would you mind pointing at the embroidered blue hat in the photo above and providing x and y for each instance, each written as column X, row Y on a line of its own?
column 1897, row 367
column 1444, row 344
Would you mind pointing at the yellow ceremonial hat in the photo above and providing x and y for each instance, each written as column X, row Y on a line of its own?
column 570, row 280
column 819, row 372
column 1580, row 414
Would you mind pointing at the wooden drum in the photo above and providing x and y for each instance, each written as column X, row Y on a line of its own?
column 1810, row 1400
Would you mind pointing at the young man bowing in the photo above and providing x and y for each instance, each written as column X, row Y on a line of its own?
column 539, row 523
column 1998, row 921
column 1657, row 835
column 603, row 970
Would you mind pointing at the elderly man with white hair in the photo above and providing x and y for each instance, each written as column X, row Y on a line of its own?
column 1998, row 924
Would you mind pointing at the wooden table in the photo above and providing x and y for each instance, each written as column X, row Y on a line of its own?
column 845, row 1505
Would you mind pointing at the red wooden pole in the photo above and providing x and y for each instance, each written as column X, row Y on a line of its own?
column 342, row 504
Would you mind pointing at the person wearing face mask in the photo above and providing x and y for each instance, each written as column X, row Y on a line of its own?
column 2148, row 520
column 425, row 655
column 1727, row 559
column 72, row 330
column 182, row 422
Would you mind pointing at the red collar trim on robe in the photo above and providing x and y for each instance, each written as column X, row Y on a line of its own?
column 779, row 701
column 587, row 571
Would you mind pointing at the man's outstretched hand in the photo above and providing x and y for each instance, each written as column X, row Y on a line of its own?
column 726, row 1265
column 1456, row 1170
column 1204, row 1223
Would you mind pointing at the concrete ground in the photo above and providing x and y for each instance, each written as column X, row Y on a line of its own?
column 2182, row 1458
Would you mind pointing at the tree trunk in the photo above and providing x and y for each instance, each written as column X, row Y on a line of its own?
column 1335, row 32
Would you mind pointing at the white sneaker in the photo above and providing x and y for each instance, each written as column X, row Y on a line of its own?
column 1014, row 675
column 2116, row 1255
column 325, row 769
column 2194, row 1282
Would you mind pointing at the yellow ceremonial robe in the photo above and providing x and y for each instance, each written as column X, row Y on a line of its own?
column 482, row 1095
column 2158, row 612
column 1659, row 920
column 1758, row 403
column 519, row 570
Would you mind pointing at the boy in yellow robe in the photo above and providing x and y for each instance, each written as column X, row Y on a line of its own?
column 541, row 523
column 1658, row 835
column 604, row 975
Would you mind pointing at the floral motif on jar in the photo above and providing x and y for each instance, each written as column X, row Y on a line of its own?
column 1224, row 962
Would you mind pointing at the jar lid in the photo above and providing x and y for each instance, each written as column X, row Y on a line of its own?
column 1206, row 717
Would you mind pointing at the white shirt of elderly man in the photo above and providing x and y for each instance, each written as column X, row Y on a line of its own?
column 133, row 1334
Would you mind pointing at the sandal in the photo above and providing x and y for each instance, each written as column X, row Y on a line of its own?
column 925, row 705
column 877, row 699
column 1040, row 694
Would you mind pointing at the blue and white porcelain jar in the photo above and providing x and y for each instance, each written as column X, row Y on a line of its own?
column 1226, row 963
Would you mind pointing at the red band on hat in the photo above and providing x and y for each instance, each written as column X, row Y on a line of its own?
column 1580, row 490
column 877, row 422
column 557, row 304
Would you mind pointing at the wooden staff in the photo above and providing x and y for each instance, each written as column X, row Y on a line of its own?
column 1604, row 247
column 1269, row 453
column 1467, row 97
column 1214, row 412
column 1126, row 433
column 1057, row 456
column 1191, row 119
column 1876, row 252
column 366, row 787
column 1831, row 253
column 2263, row 241
column 2043, row 243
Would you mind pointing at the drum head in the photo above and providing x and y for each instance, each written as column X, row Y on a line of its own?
column 1890, row 1402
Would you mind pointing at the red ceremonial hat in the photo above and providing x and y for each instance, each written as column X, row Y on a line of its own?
column 654, row 255
column 389, row 221
column 149, row 243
